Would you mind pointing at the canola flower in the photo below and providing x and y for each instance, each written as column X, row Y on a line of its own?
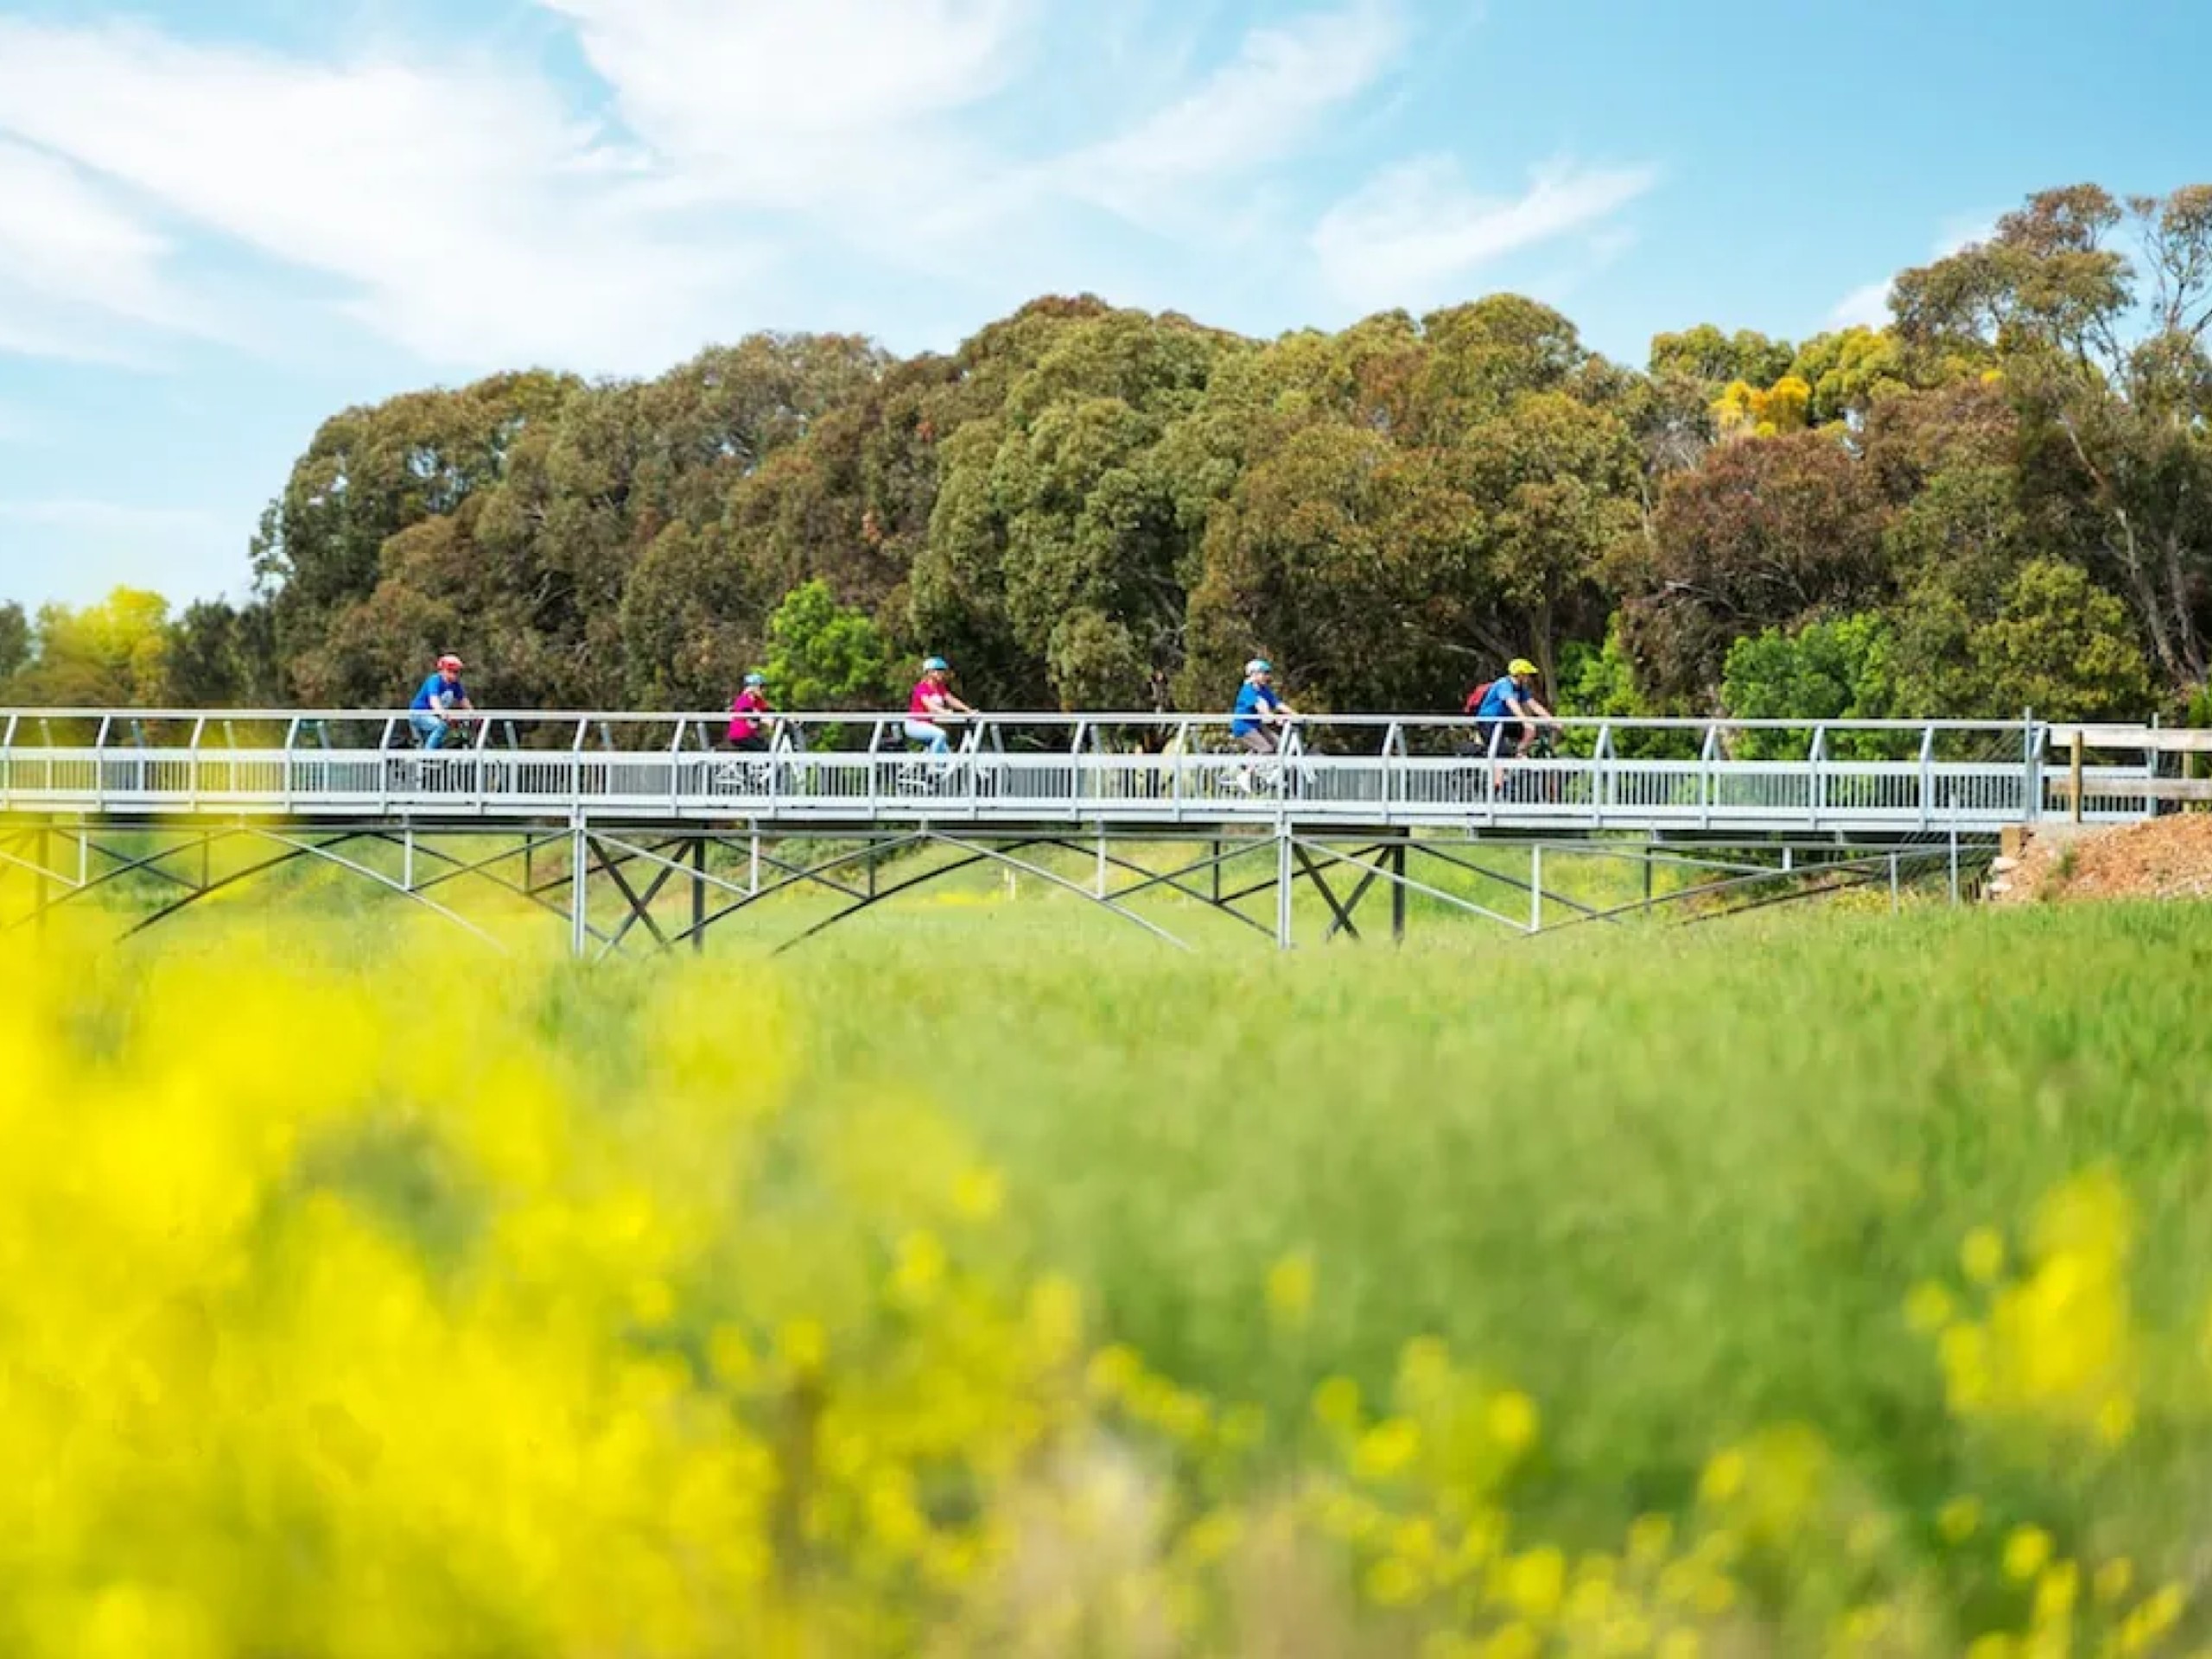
column 555, row 1328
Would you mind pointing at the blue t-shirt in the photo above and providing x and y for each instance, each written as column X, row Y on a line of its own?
column 1493, row 703
column 1250, row 699
column 435, row 688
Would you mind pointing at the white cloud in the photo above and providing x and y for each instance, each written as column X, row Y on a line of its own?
column 1962, row 231
column 71, row 260
column 1867, row 307
column 465, row 213
column 1258, row 109
column 781, row 104
column 470, row 210
column 1413, row 233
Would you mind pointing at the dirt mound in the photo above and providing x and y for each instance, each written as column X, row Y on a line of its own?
column 2162, row 858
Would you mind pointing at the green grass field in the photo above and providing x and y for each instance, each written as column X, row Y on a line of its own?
column 1805, row 1283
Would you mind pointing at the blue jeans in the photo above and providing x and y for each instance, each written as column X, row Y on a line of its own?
column 427, row 726
column 921, row 731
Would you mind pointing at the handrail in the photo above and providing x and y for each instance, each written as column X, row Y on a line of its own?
column 1039, row 717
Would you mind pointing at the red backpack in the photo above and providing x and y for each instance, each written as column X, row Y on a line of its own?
column 1475, row 697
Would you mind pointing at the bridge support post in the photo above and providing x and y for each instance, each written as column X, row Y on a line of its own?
column 752, row 873
column 45, row 863
column 579, row 878
column 1536, row 887
column 1398, row 891
column 1894, row 900
column 1955, row 866
column 1282, row 886
column 407, row 859
column 698, row 894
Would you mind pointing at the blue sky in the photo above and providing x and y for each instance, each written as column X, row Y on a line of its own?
column 222, row 220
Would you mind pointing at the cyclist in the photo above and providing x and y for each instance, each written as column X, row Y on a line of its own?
column 1259, row 710
column 930, row 701
column 437, row 701
column 1511, row 698
column 1259, row 716
column 748, row 731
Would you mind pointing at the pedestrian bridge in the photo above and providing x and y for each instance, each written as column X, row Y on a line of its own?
column 1121, row 770
column 611, row 820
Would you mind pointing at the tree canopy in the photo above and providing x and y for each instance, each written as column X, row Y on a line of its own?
column 2001, row 500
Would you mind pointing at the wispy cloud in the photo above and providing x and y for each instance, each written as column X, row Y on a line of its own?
column 460, row 207
column 772, row 104
column 1865, row 307
column 72, row 260
column 1868, row 305
column 477, row 212
column 1416, row 230
column 1260, row 107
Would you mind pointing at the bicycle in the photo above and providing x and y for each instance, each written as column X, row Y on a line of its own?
column 424, row 769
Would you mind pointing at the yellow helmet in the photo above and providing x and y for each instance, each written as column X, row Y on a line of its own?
column 1522, row 665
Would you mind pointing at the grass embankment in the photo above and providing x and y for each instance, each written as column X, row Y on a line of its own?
column 1777, row 1287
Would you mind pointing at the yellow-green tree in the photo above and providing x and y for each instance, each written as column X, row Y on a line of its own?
column 106, row 655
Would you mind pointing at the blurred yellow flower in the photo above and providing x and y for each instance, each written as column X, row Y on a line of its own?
column 1722, row 1477
column 1290, row 1291
column 1335, row 1402
column 1393, row 1582
column 1982, row 1255
column 1388, row 1449
column 2026, row 1550
column 2111, row 1581
column 1650, row 1537
column 1512, row 1420
column 1958, row 1519
column 1929, row 1308
column 1533, row 1581
column 978, row 1194
column 2057, row 1588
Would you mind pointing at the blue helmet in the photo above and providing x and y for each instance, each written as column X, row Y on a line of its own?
column 756, row 678
column 1258, row 665
column 934, row 664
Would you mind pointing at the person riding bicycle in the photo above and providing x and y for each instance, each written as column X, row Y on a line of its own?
column 436, row 701
column 930, row 701
column 1259, row 710
column 1511, row 698
column 748, row 731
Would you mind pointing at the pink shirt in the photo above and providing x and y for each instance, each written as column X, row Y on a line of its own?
column 918, row 706
column 748, row 702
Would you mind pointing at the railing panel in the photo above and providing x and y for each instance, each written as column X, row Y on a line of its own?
column 1044, row 767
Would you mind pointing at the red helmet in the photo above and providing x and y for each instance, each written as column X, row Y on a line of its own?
column 450, row 661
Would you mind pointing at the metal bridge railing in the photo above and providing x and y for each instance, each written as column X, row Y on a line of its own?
column 1125, row 768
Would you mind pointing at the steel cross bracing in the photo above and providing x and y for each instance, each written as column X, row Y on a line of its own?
column 1099, row 771
column 669, row 886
